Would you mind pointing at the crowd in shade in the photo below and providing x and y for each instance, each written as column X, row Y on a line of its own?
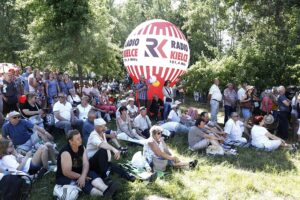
column 39, row 107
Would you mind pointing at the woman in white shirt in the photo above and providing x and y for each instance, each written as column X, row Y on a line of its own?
column 84, row 108
column 168, row 98
column 263, row 139
column 73, row 98
column 31, row 163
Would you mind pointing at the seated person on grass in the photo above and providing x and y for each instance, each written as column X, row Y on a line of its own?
column 142, row 123
column 36, row 163
column 25, row 135
column 124, row 125
column 132, row 109
column 211, row 126
column 64, row 115
column 234, row 129
column 73, row 167
column 99, row 153
column 156, row 151
column 88, row 127
column 198, row 138
column 263, row 139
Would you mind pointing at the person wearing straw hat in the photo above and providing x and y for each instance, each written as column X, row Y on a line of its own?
column 132, row 109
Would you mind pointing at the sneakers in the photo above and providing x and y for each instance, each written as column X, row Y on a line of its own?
column 111, row 190
column 41, row 173
column 231, row 152
column 193, row 164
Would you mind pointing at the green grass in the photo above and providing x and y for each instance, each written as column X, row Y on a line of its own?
column 252, row 174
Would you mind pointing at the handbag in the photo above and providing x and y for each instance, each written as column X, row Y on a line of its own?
column 66, row 192
column 159, row 164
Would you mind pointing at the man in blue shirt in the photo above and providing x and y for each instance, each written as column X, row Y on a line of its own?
column 142, row 90
column 88, row 127
column 20, row 132
column 25, row 76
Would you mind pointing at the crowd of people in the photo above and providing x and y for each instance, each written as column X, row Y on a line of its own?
column 39, row 106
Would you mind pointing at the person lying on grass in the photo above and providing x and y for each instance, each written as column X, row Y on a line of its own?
column 155, row 150
column 73, row 167
column 263, row 139
column 36, row 163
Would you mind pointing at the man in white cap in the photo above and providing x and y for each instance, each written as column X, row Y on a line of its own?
column 175, row 115
column 99, row 153
column 24, row 134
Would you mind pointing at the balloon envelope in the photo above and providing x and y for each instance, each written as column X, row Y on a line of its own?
column 158, row 50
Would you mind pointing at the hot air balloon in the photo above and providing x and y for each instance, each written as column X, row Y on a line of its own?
column 158, row 50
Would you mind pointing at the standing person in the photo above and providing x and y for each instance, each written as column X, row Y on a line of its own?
column 168, row 98
column 142, row 90
column 32, row 80
column 9, row 94
column 240, row 95
column 215, row 97
column 246, row 103
column 230, row 98
column 73, row 166
column 52, row 88
column 25, row 75
column 284, row 109
column 66, row 84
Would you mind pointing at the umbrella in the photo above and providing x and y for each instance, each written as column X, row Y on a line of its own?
column 5, row 67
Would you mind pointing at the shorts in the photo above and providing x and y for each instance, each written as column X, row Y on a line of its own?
column 88, row 184
column 33, row 169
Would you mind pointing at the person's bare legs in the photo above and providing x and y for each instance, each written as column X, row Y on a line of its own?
column 115, row 141
column 99, row 184
column 41, row 157
column 51, row 152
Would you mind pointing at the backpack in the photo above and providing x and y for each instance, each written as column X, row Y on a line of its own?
column 20, row 190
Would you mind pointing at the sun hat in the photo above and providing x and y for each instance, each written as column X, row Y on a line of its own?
column 123, row 101
column 99, row 122
column 268, row 119
column 130, row 99
column 249, row 87
column 12, row 114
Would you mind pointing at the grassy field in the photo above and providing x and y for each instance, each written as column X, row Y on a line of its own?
column 253, row 174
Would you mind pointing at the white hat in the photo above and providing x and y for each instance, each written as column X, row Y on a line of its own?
column 174, row 105
column 13, row 113
column 99, row 122
column 123, row 101
column 130, row 99
column 177, row 102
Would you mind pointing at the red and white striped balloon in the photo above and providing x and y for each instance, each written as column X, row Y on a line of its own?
column 158, row 50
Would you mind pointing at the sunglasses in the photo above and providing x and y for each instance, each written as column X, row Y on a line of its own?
column 16, row 117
